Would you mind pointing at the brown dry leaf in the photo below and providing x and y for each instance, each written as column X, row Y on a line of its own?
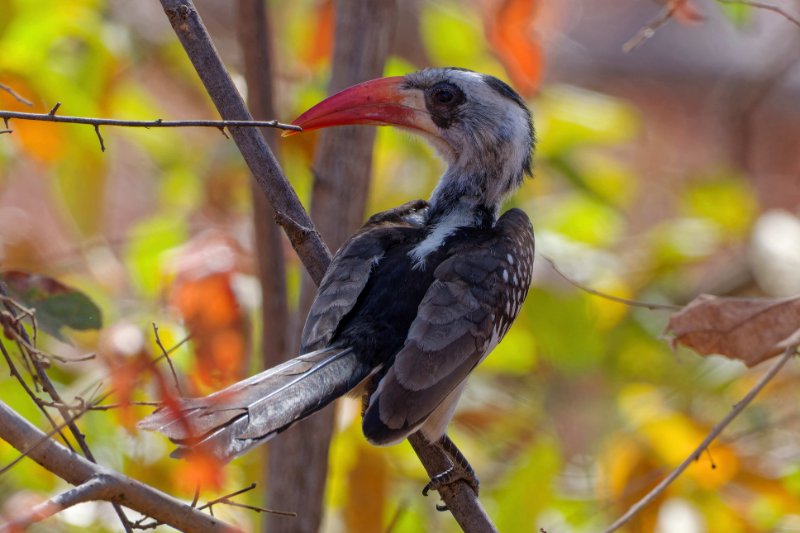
column 748, row 329
column 509, row 29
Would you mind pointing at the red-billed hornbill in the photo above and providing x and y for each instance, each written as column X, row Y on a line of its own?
column 417, row 297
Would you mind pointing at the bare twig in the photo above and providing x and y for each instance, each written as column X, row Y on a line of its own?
column 648, row 31
column 766, row 7
column 40, row 376
column 15, row 94
column 632, row 303
column 95, row 488
column 26, row 312
column 158, row 123
column 226, row 500
column 165, row 354
column 14, row 372
column 77, row 470
column 713, row 434
column 99, row 138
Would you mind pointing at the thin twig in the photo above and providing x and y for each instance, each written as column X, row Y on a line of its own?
column 99, row 137
column 95, row 488
column 713, row 434
column 226, row 500
column 648, row 31
column 165, row 353
column 16, row 95
column 173, row 349
column 14, row 372
column 30, row 314
column 766, row 7
column 158, row 123
column 41, row 376
column 632, row 303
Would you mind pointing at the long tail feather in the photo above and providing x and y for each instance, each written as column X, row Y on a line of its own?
column 233, row 420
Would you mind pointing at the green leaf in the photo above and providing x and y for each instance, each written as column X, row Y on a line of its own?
column 55, row 305
column 725, row 199
column 147, row 242
column 738, row 13
column 569, row 117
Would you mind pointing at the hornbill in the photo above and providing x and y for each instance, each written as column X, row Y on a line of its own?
column 416, row 298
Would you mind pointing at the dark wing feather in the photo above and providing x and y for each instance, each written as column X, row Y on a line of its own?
column 475, row 296
column 349, row 272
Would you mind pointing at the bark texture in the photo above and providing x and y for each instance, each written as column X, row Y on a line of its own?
column 298, row 459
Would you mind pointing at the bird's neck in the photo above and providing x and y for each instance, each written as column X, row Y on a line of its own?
column 459, row 201
column 469, row 195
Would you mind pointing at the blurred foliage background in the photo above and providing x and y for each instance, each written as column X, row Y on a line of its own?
column 660, row 174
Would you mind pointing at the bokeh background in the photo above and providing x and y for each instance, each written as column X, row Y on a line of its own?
column 663, row 172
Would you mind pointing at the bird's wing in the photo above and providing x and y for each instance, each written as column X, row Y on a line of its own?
column 475, row 296
column 350, row 270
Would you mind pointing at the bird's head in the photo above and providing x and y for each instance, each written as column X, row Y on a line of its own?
column 479, row 125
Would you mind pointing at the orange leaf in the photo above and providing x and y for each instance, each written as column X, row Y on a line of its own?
column 43, row 141
column 122, row 348
column 204, row 296
column 748, row 329
column 200, row 471
column 319, row 49
column 509, row 31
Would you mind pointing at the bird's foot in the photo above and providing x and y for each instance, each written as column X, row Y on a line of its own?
column 460, row 470
column 448, row 477
column 452, row 475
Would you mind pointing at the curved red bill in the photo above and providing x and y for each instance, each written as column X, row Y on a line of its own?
column 381, row 102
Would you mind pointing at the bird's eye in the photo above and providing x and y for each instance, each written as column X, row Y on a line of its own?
column 444, row 96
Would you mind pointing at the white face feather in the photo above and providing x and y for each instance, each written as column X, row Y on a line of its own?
column 488, row 144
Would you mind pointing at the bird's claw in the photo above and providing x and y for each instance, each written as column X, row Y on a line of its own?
column 450, row 476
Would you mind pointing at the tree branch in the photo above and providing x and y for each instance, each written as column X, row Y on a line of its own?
column 27, row 346
column 459, row 497
column 103, row 483
column 96, row 488
column 713, row 434
column 259, row 158
column 157, row 123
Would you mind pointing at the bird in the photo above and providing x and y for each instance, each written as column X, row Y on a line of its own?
column 416, row 298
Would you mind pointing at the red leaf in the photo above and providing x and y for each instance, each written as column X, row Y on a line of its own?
column 687, row 12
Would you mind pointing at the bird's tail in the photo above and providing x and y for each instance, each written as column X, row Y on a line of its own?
column 233, row 420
